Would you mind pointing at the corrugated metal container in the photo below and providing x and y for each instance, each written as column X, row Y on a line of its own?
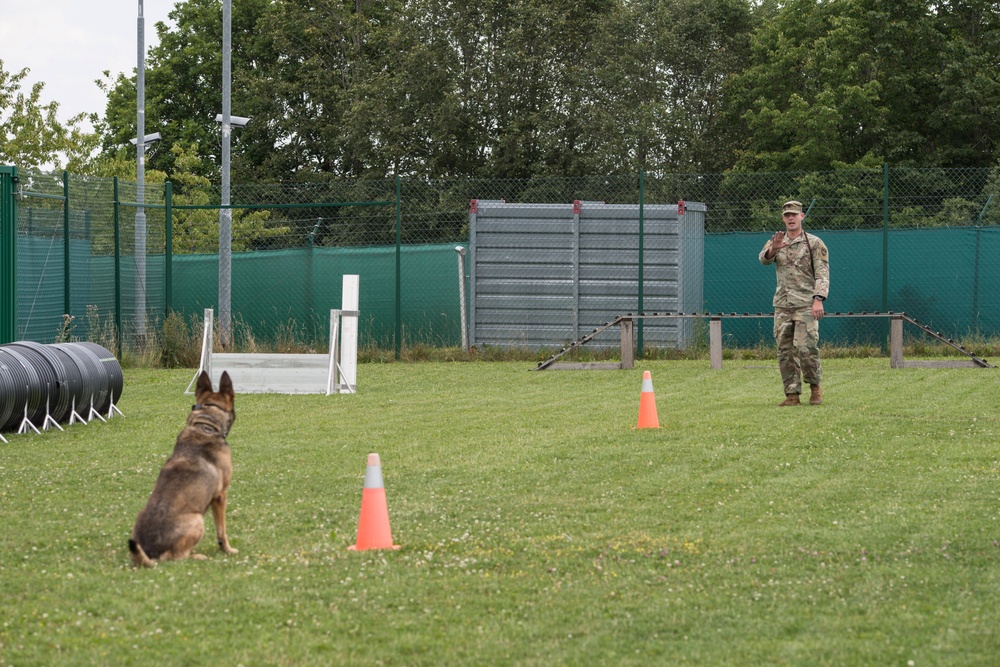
column 543, row 275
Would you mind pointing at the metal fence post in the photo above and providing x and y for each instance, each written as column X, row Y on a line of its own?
column 66, row 236
column 461, row 296
column 310, row 287
column 168, row 249
column 118, row 269
column 975, row 269
column 642, row 243
column 8, row 255
column 577, row 209
column 885, row 250
column 399, row 303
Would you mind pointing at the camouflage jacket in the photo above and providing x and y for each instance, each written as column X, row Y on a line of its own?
column 800, row 279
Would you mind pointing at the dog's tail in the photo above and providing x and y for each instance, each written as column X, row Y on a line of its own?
column 139, row 557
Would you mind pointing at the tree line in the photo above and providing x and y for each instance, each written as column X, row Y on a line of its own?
column 357, row 89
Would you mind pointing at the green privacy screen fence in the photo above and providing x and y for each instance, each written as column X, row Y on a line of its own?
column 934, row 276
column 289, row 293
column 923, row 241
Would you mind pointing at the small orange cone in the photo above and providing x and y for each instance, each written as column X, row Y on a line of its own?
column 647, row 404
column 373, row 526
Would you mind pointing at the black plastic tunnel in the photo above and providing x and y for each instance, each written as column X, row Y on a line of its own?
column 39, row 380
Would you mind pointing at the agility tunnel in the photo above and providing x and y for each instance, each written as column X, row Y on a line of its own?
column 45, row 385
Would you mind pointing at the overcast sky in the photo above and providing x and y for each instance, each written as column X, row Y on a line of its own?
column 67, row 44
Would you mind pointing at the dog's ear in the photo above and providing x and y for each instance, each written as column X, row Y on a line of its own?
column 204, row 385
column 226, row 386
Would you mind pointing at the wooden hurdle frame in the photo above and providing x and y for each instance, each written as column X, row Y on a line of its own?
column 627, row 325
column 331, row 373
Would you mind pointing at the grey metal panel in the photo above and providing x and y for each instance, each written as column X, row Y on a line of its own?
column 615, row 244
column 525, row 241
column 628, row 226
column 628, row 211
column 609, row 289
column 544, row 274
column 526, row 271
column 529, row 308
column 652, row 257
column 536, row 335
column 501, row 290
column 507, row 211
column 543, row 317
column 629, row 241
column 630, row 272
column 525, row 225
column 500, row 281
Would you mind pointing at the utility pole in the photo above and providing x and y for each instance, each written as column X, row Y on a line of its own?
column 225, row 213
column 140, row 182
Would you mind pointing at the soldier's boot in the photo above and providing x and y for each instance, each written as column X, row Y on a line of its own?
column 790, row 399
column 816, row 397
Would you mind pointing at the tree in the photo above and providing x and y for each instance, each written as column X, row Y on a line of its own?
column 659, row 73
column 32, row 135
column 446, row 88
column 866, row 81
column 966, row 120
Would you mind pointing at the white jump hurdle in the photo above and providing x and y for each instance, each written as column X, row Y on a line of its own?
column 333, row 373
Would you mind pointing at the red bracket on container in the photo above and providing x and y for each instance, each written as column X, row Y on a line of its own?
column 681, row 207
column 576, row 207
column 473, row 206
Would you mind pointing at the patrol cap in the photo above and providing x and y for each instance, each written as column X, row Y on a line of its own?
column 791, row 207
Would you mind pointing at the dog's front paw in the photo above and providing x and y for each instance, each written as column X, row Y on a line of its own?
column 199, row 557
column 231, row 550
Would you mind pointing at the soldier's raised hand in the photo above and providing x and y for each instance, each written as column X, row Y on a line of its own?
column 777, row 243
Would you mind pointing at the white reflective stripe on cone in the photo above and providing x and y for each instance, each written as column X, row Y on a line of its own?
column 373, row 473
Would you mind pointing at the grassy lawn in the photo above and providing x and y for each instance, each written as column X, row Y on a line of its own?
column 537, row 526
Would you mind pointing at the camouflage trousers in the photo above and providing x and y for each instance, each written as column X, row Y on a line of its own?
column 796, row 332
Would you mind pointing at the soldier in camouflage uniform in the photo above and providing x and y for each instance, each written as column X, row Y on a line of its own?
column 803, row 267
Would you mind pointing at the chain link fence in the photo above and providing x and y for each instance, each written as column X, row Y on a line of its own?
column 921, row 241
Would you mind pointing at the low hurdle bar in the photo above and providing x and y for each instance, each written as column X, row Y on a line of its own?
column 627, row 324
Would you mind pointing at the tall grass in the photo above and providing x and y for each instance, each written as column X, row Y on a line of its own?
column 537, row 526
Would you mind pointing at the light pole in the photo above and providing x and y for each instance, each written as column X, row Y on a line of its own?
column 226, row 230
column 140, row 180
column 225, row 213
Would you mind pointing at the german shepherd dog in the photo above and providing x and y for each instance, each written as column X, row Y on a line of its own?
column 194, row 478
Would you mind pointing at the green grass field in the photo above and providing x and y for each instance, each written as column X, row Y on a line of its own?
column 537, row 526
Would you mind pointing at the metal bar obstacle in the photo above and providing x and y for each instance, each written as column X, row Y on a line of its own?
column 626, row 323
column 259, row 373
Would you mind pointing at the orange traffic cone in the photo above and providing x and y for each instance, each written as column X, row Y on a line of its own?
column 373, row 526
column 647, row 404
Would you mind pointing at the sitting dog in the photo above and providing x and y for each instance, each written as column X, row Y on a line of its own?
column 194, row 478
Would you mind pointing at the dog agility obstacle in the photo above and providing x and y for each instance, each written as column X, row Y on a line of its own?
column 332, row 373
column 43, row 385
column 627, row 324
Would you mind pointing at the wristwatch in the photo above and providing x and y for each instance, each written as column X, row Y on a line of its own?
column 819, row 298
